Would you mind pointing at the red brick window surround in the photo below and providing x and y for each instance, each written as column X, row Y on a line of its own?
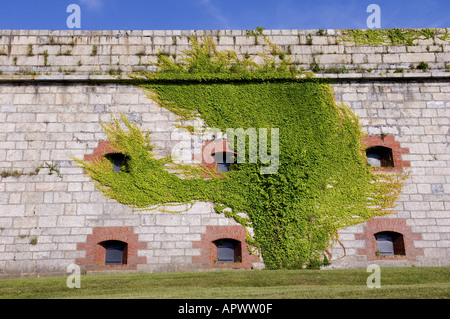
column 208, row 152
column 208, row 247
column 396, row 225
column 387, row 141
column 103, row 148
column 96, row 251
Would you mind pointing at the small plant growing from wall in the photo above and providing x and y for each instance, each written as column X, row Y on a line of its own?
column 257, row 32
column 141, row 53
column 16, row 173
column 423, row 66
column 30, row 50
column 67, row 52
column 53, row 168
column 46, row 58
column 315, row 67
column 8, row 173
column 321, row 32
column 94, row 50
column 113, row 71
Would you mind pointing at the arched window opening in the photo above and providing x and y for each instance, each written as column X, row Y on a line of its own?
column 380, row 156
column 117, row 159
column 223, row 160
column 115, row 252
column 390, row 243
column 228, row 250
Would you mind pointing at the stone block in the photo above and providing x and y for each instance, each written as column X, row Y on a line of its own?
column 423, row 206
column 24, row 99
column 412, row 57
column 168, row 237
column 176, row 230
column 100, row 98
column 435, row 105
column 20, row 266
column 12, row 210
column 52, row 265
column 32, row 197
column 439, row 148
column 69, row 239
column 437, row 188
column 14, row 155
column 424, row 188
column 70, row 221
column 418, row 148
column 49, row 209
column 89, row 209
column 47, row 221
column 14, row 187
column 424, row 244
column 169, row 252
column 6, row 222
column 168, row 220
column 25, row 222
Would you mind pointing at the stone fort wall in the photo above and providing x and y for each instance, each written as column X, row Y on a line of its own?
column 56, row 86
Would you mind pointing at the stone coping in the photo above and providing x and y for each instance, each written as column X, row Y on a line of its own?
column 332, row 77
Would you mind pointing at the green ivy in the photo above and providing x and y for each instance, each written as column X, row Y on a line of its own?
column 323, row 183
column 394, row 36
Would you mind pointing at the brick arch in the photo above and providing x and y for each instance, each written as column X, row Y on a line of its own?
column 206, row 156
column 95, row 252
column 389, row 142
column 208, row 250
column 398, row 225
column 104, row 147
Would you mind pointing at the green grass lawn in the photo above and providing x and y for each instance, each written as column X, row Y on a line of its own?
column 347, row 283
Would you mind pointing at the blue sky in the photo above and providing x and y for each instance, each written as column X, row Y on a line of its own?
column 222, row 14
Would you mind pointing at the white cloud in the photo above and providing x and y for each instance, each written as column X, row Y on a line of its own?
column 92, row 4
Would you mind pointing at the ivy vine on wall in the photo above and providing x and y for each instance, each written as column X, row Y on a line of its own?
column 323, row 183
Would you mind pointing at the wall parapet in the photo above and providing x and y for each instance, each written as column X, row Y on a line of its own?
column 120, row 52
column 332, row 78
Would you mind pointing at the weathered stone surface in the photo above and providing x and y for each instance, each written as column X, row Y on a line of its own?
column 48, row 122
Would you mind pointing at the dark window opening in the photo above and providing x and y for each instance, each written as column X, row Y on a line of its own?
column 380, row 156
column 117, row 159
column 224, row 161
column 228, row 250
column 115, row 252
column 223, row 167
column 390, row 243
